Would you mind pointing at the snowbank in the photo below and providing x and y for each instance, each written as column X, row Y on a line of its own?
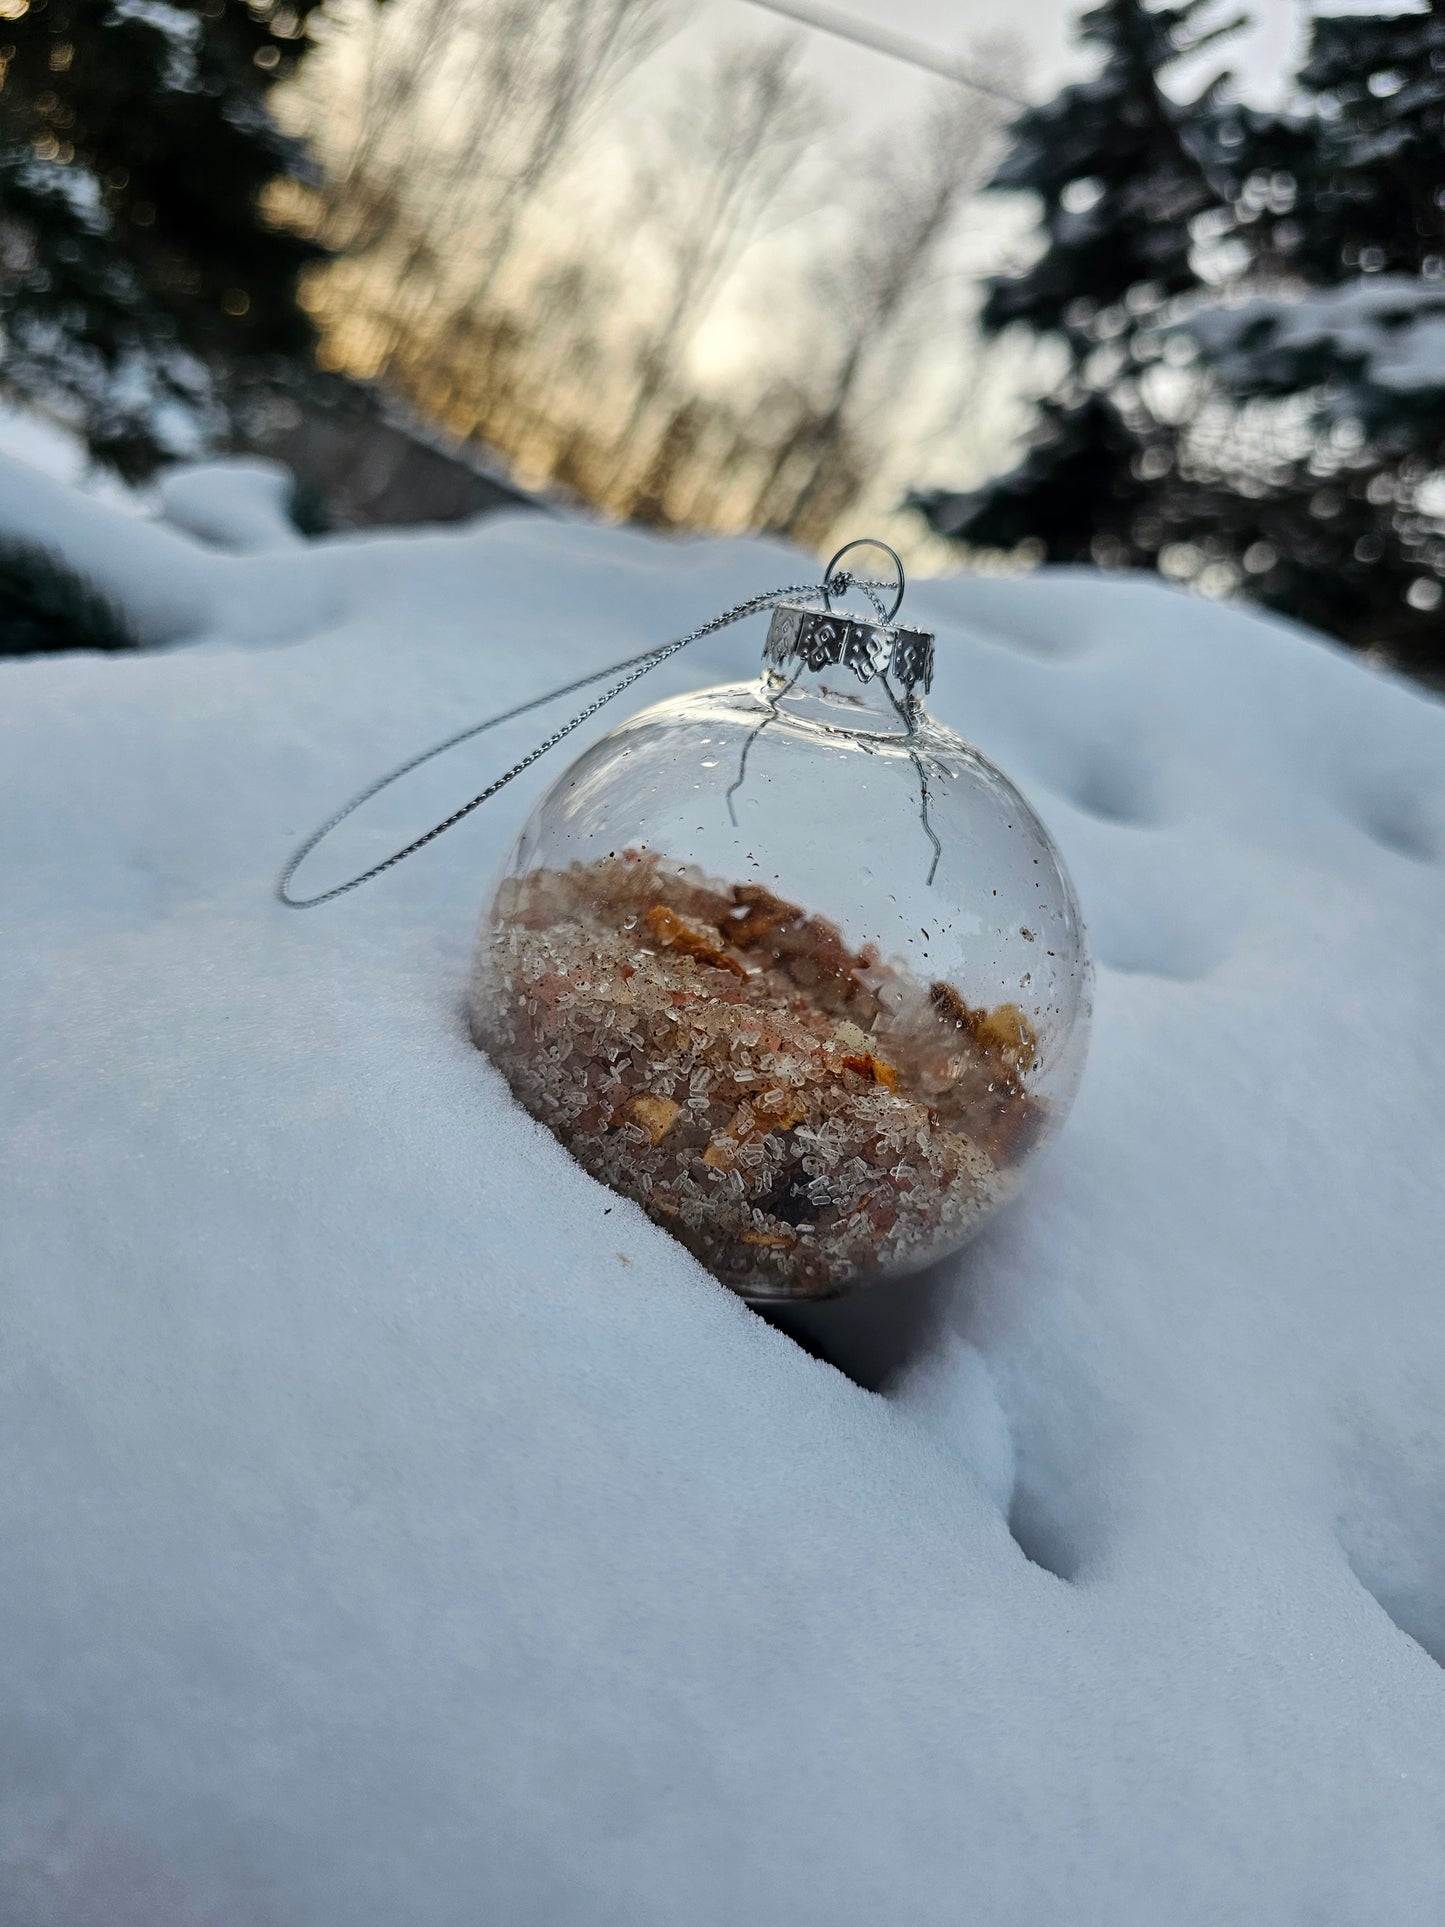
column 395, row 1527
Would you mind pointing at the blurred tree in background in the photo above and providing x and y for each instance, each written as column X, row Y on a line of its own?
column 1341, row 221
column 142, row 291
column 1122, row 172
column 1251, row 312
column 547, row 253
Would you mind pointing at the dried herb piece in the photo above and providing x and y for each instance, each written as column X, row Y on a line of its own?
column 865, row 1064
column 656, row 1115
column 675, row 932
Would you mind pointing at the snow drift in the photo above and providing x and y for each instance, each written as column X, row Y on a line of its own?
column 396, row 1527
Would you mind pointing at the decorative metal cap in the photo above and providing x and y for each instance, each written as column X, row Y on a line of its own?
column 817, row 638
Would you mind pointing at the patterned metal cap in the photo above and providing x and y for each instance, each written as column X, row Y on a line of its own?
column 818, row 639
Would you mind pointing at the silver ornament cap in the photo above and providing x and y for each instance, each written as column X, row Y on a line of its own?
column 818, row 639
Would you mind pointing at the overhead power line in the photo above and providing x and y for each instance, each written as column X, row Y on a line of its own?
column 880, row 40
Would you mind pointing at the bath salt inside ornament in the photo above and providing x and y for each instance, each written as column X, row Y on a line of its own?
column 787, row 962
column 792, row 966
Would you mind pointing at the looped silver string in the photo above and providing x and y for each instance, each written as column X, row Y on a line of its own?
column 629, row 671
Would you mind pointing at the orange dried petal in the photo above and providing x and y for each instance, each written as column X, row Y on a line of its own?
column 656, row 1115
column 1003, row 1033
column 674, row 932
column 873, row 1068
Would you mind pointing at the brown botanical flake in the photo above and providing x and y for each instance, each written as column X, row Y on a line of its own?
column 656, row 1115
column 873, row 1068
column 950, row 1006
column 1008, row 1035
column 1004, row 1032
column 721, row 1153
column 755, row 914
column 809, row 949
column 675, row 932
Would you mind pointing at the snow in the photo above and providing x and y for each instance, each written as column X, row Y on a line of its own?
column 180, row 30
column 34, row 441
column 395, row 1527
column 1385, row 330
column 240, row 503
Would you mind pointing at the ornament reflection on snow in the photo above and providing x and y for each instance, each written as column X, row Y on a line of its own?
column 787, row 962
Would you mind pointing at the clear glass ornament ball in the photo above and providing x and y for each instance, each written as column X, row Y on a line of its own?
column 794, row 967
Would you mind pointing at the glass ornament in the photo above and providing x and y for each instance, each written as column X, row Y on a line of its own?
column 792, row 965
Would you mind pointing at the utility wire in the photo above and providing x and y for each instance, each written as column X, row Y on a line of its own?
column 880, row 40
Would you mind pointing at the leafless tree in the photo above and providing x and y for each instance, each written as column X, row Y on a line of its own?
column 441, row 122
column 871, row 295
column 727, row 162
column 556, row 309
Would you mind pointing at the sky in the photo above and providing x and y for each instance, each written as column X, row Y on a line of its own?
column 1262, row 56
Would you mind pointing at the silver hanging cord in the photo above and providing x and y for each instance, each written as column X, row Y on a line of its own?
column 632, row 669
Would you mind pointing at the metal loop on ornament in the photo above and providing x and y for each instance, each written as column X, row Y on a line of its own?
column 841, row 583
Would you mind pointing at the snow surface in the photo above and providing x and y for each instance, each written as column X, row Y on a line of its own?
column 241, row 502
column 397, row 1528
column 37, row 442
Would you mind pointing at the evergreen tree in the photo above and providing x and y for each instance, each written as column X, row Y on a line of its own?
column 1377, row 202
column 1122, row 171
column 1298, row 462
column 45, row 606
column 140, row 284
column 1355, row 547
